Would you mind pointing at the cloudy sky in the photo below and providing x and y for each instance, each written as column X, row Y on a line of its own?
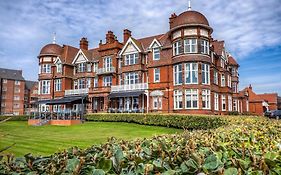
column 251, row 30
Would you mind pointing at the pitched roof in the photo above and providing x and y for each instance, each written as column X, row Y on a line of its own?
column 11, row 74
column 68, row 54
column 145, row 42
column 30, row 84
column 271, row 98
column 232, row 61
column 218, row 46
column 253, row 97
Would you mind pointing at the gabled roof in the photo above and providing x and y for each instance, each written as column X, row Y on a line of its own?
column 271, row 98
column 136, row 44
column 11, row 74
column 155, row 41
column 253, row 97
column 232, row 61
column 87, row 56
column 145, row 42
column 68, row 54
column 218, row 47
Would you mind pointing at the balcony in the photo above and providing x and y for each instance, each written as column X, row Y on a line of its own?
column 76, row 92
column 107, row 70
column 129, row 87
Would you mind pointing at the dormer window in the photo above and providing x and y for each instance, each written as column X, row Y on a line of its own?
column 204, row 46
column 190, row 45
column 59, row 67
column 156, row 53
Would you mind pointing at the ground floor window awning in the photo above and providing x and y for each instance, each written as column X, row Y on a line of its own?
column 125, row 94
column 65, row 100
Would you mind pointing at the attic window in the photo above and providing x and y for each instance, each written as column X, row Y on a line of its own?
column 156, row 53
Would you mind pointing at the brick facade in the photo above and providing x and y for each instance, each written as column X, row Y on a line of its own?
column 181, row 71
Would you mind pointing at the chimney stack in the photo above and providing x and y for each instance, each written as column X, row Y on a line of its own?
column 84, row 43
column 250, row 87
column 126, row 35
column 110, row 37
column 171, row 19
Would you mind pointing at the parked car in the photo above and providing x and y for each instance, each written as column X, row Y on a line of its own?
column 273, row 114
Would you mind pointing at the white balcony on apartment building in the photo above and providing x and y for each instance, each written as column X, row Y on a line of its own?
column 129, row 87
column 106, row 70
column 76, row 92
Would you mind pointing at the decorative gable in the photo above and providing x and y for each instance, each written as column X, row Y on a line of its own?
column 130, row 47
column 155, row 43
column 80, row 58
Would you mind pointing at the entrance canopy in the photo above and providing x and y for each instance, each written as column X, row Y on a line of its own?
column 125, row 94
column 65, row 100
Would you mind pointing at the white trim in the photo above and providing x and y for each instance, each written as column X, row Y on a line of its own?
column 157, row 42
column 77, row 55
column 126, row 45
column 58, row 60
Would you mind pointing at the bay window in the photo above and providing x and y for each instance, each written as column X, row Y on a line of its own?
column 107, row 81
column 229, row 81
column 131, row 78
column 177, row 48
column 58, row 85
column 88, row 82
column 190, row 46
column 206, row 99
column 59, row 67
column 191, row 98
column 131, row 59
column 45, row 86
column 177, row 99
column 191, row 73
column 46, row 68
column 81, row 83
column 95, row 67
column 96, row 82
column 107, row 63
column 89, row 67
column 205, row 74
column 204, row 46
column 178, row 74
column 81, row 67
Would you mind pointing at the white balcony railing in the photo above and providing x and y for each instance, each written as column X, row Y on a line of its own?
column 76, row 91
column 106, row 70
column 129, row 87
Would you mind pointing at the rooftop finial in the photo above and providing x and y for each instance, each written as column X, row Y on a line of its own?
column 189, row 5
column 54, row 38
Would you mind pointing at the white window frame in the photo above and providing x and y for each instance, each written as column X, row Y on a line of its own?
column 204, row 46
column 59, row 67
column 89, row 67
column 156, row 75
column 190, row 46
column 45, row 86
column 131, row 78
column 222, row 80
column 96, row 82
column 178, row 102
column 216, row 101
column 194, row 100
column 178, row 74
column 107, row 64
column 191, row 70
column 229, row 81
column 216, row 77
column 206, row 96
column 81, row 83
column 157, row 102
column 4, row 80
column 58, row 84
column 205, row 73
column 16, row 97
column 81, row 67
column 95, row 67
column 17, row 82
column 89, row 81
column 223, row 103
column 176, row 48
column 131, row 59
column 229, row 103
column 46, row 68
column 107, row 81
column 156, row 53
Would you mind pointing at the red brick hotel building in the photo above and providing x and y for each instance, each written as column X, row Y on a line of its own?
column 181, row 71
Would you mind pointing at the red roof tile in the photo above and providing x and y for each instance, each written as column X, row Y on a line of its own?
column 271, row 98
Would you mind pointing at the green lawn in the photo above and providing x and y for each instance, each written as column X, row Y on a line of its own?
column 45, row 140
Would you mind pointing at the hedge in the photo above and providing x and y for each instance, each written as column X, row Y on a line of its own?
column 14, row 117
column 166, row 120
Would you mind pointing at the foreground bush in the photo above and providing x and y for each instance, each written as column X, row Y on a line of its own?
column 166, row 120
column 246, row 146
column 14, row 117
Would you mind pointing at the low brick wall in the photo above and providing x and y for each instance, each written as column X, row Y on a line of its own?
column 56, row 122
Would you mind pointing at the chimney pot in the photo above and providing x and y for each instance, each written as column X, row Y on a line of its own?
column 126, row 35
column 84, row 43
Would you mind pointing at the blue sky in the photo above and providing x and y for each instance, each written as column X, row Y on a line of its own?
column 251, row 30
